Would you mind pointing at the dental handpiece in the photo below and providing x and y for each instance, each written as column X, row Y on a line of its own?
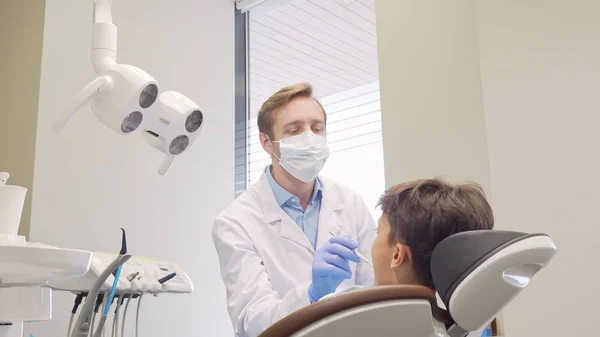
column 364, row 259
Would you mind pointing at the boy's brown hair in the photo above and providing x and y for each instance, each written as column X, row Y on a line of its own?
column 424, row 212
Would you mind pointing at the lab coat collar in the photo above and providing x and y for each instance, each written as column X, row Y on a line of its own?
column 282, row 196
column 328, row 215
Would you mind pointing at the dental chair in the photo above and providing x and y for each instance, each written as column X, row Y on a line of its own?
column 476, row 275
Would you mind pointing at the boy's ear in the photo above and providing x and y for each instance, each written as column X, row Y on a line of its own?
column 402, row 255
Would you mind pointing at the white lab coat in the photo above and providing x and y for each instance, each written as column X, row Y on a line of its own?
column 266, row 259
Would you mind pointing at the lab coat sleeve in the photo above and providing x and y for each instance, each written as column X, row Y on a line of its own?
column 252, row 303
column 366, row 233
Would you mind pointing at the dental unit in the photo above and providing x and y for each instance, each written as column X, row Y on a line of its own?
column 30, row 272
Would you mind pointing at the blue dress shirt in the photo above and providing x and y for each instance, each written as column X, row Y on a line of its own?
column 307, row 220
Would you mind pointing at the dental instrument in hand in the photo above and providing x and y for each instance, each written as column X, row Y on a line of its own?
column 364, row 259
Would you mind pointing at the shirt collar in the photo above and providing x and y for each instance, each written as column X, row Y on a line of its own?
column 282, row 196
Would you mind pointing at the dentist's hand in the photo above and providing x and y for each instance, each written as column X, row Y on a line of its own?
column 331, row 266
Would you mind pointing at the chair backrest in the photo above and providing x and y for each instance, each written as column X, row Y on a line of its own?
column 365, row 310
column 478, row 273
column 475, row 273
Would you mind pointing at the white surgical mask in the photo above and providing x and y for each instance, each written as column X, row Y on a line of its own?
column 304, row 155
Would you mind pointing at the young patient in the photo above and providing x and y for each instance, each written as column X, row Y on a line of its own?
column 416, row 217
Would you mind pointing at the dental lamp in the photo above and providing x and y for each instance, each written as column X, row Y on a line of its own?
column 126, row 98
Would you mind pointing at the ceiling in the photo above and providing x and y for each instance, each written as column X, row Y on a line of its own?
column 330, row 43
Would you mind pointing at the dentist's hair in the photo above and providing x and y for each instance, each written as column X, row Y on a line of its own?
column 424, row 212
column 268, row 111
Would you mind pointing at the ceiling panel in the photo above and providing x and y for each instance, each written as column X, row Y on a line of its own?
column 331, row 44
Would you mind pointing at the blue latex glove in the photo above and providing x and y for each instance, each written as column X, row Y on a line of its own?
column 331, row 266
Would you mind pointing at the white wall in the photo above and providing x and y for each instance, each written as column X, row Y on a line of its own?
column 21, row 32
column 90, row 181
column 540, row 64
column 432, row 110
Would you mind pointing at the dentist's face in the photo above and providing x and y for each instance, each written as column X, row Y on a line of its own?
column 299, row 115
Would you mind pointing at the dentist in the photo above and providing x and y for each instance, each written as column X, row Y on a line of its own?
column 289, row 239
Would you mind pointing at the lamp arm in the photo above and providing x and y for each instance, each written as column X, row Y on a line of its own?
column 166, row 165
column 104, row 39
column 82, row 97
column 103, row 11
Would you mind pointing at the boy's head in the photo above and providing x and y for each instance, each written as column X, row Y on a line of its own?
column 416, row 217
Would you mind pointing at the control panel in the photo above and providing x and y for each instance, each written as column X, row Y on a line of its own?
column 138, row 275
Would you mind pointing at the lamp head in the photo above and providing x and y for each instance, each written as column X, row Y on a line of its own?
column 130, row 100
column 128, row 95
column 174, row 125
